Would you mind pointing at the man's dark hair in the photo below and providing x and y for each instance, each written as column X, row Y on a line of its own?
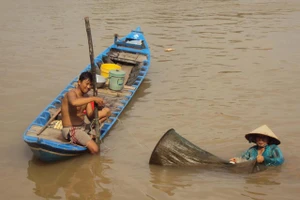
column 86, row 75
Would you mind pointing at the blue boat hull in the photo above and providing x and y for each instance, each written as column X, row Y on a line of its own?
column 42, row 152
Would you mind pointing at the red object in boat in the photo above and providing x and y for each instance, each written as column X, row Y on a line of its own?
column 93, row 105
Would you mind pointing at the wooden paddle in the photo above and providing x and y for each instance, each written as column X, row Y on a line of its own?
column 49, row 121
column 93, row 66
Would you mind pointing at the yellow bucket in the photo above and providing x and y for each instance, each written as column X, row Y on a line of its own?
column 105, row 68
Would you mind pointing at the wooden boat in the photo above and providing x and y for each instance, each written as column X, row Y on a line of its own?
column 132, row 54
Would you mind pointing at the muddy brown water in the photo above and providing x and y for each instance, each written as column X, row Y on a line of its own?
column 235, row 66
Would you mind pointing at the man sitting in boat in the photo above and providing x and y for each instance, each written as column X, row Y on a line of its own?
column 72, row 109
column 266, row 150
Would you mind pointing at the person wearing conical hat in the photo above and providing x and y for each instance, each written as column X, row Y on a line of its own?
column 266, row 150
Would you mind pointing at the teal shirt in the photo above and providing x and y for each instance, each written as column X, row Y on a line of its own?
column 272, row 155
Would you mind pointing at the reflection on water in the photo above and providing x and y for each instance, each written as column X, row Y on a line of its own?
column 173, row 180
column 80, row 178
column 255, row 183
column 267, row 177
column 168, row 179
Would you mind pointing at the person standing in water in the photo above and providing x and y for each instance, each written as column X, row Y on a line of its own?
column 266, row 150
column 74, row 103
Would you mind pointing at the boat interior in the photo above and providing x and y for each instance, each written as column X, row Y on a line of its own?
column 131, row 63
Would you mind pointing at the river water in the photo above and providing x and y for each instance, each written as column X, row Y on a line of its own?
column 235, row 66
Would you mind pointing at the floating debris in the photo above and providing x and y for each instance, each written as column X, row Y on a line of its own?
column 169, row 50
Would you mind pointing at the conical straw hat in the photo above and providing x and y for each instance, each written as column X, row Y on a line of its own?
column 263, row 130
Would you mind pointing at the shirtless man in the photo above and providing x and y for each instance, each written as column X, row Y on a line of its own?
column 72, row 109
